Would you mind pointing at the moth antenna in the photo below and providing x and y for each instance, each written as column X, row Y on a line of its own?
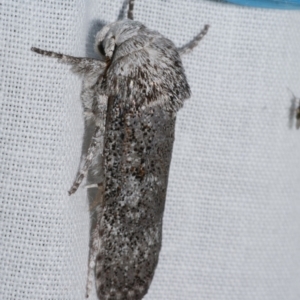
column 187, row 48
column 130, row 9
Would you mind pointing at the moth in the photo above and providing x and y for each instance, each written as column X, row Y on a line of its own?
column 294, row 111
column 132, row 94
column 298, row 115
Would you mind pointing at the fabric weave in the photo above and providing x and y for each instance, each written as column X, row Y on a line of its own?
column 231, row 224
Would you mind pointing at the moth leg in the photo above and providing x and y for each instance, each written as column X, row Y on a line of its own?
column 130, row 9
column 193, row 43
column 91, row 186
column 96, row 140
column 80, row 65
column 95, row 242
column 98, row 197
column 94, row 249
column 94, row 104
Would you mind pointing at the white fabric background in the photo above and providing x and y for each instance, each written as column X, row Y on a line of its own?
column 232, row 217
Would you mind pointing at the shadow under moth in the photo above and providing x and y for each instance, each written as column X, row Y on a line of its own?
column 131, row 93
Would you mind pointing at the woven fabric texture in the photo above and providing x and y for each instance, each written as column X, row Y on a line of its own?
column 232, row 218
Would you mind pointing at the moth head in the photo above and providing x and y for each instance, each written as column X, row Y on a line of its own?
column 112, row 35
column 105, row 43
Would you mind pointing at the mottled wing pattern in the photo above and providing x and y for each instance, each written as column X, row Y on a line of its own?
column 147, row 86
column 131, row 224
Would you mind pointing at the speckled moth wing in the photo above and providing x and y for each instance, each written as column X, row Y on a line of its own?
column 146, row 86
column 137, row 159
